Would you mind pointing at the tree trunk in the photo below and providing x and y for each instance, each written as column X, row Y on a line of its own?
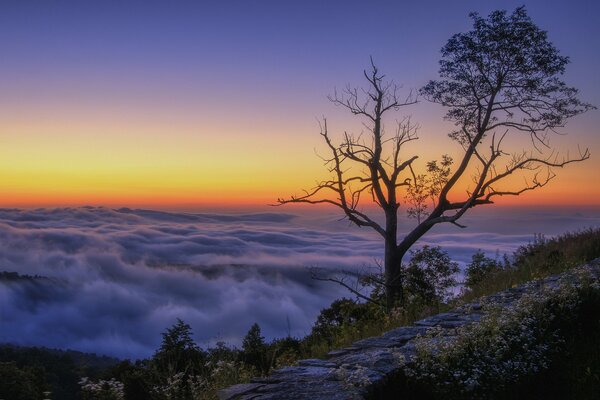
column 393, row 276
column 394, row 253
column 394, row 292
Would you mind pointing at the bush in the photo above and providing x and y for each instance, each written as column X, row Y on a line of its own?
column 254, row 350
column 512, row 352
column 559, row 253
column 21, row 383
column 481, row 268
column 102, row 389
column 429, row 275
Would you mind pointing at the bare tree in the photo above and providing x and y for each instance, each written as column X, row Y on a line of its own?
column 500, row 79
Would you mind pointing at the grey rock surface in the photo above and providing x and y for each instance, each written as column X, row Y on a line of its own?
column 355, row 371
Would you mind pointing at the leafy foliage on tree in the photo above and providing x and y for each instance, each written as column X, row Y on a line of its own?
column 136, row 378
column 58, row 371
column 480, row 268
column 424, row 188
column 340, row 315
column 430, row 274
column 285, row 351
column 178, row 351
column 178, row 359
column 21, row 383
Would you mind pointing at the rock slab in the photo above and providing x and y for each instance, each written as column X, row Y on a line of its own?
column 359, row 370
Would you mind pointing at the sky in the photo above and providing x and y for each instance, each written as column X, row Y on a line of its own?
column 197, row 105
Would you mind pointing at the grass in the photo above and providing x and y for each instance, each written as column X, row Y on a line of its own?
column 538, row 259
column 545, row 347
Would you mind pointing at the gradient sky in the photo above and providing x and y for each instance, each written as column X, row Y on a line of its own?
column 167, row 104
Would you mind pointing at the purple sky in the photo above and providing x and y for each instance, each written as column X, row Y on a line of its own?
column 122, row 102
column 242, row 47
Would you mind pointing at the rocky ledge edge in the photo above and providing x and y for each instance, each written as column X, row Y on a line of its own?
column 360, row 370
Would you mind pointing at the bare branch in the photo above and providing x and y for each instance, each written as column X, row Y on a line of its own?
column 342, row 280
column 502, row 77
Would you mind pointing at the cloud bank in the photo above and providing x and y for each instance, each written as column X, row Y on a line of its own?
column 115, row 279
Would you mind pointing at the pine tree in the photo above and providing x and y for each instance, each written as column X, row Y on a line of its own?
column 178, row 352
column 254, row 349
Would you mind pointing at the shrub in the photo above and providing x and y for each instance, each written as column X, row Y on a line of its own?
column 429, row 275
column 511, row 350
column 254, row 350
column 20, row 383
column 480, row 268
column 102, row 389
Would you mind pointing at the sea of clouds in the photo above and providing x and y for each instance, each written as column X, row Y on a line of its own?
column 114, row 279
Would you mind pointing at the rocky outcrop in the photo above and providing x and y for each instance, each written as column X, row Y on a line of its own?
column 366, row 368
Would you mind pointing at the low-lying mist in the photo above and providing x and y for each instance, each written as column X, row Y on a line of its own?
column 110, row 281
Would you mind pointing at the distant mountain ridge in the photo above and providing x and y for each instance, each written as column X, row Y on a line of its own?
column 15, row 276
column 44, row 369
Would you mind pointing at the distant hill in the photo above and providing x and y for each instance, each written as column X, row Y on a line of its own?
column 10, row 276
column 58, row 371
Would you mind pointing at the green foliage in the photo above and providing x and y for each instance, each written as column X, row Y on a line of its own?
column 135, row 377
column 181, row 370
column 21, row 383
column 176, row 364
column 427, row 278
column 178, row 351
column 254, row 350
column 416, row 197
column 284, row 351
column 560, row 253
column 58, row 370
column 529, row 350
column 424, row 188
column 343, row 318
column 221, row 375
column 345, row 322
column 429, row 275
column 481, row 268
column 542, row 257
column 438, row 174
column 505, row 59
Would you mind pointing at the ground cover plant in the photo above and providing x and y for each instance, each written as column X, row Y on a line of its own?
column 544, row 347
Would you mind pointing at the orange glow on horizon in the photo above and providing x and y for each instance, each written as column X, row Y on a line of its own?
column 155, row 163
column 174, row 115
column 228, row 197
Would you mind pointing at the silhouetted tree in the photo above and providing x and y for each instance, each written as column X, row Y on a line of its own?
column 499, row 79
column 479, row 268
column 21, row 383
column 284, row 351
column 341, row 313
column 135, row 377
column 430, row 275
column 178, row 352
column 254, row 349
